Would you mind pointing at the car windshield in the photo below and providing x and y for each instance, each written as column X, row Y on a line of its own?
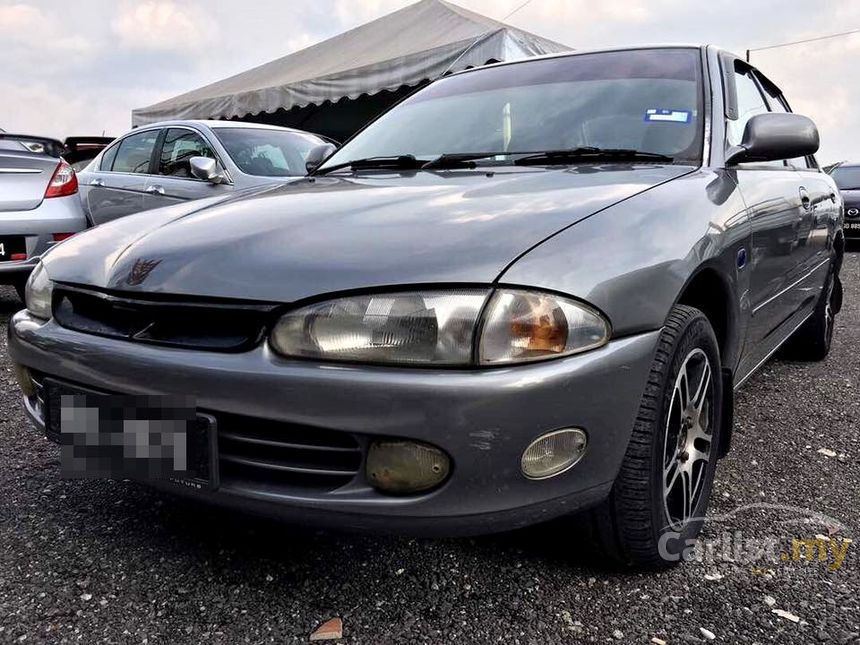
column 268, row 153
column 647, row 100
column 847, row 177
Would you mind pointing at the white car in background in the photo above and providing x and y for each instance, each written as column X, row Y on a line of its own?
column 175, row 161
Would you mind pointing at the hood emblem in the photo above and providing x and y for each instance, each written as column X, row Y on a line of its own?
column 140, row 271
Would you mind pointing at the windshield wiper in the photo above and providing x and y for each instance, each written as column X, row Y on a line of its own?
column 550, row 157
column 393, row 162
column 460, row 159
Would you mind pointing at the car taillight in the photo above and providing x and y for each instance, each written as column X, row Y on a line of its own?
column 59, row 237
column 64, row 182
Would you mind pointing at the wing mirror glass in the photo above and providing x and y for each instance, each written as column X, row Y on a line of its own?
column 318, row 154
column 206, row 168
column 775, row 136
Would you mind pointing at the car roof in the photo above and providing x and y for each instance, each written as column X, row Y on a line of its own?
column 599, row 50
column 215, row 124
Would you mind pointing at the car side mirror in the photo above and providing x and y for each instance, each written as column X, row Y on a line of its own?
column 205, row 168
column 775, row 136
column 318, row 154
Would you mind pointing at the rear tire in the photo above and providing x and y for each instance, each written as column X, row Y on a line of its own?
column 673, row 449
column 812, row 341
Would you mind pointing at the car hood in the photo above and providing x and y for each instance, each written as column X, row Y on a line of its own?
column 335, row 233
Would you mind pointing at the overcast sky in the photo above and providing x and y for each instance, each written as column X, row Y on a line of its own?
column 80, row 68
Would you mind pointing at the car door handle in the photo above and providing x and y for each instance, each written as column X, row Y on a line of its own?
column 805, row 201
column 155, row 190
column 97, row 182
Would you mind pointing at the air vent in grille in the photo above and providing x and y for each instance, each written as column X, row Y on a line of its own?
column 212, row 326
column 259, row 452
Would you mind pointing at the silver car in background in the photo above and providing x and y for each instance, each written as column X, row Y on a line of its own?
column 176, row 161
column 39, row 203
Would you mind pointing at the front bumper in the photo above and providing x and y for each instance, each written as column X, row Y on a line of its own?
column 483, row 419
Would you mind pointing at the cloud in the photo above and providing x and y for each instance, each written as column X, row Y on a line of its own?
column 33, row 37
column 38, row 108
column 164, row 25
column 583, row 13
column 355, row 13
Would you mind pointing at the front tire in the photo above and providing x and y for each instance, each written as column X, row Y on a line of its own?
column 661, row 493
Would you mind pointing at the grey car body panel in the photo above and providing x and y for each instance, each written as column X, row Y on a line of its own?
column 24, row 178
column 636, row 278
column 628, row 239
column 121, row 194
column 309, row 238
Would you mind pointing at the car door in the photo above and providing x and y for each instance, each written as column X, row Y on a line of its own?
column 118, row 186
column 172, row 181
column 824, row 198
column 779, row 208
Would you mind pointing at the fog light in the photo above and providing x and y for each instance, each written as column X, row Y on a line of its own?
column 25, row 381
column 402, row 467
column 554, row 453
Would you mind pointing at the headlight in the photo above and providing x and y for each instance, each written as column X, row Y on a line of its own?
column 409, row 328
column 441, row 328
column 37, row 293
column 522, row 326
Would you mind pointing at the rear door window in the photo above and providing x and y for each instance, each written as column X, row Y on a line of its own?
column 179, row 146
column 135, row 152
column 108, row 158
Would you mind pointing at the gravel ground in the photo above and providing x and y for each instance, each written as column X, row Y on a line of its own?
column 93, row 561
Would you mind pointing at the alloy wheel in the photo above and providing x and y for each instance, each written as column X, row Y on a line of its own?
column 688, row 441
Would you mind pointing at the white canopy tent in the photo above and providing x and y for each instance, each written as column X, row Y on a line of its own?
column 381, row 60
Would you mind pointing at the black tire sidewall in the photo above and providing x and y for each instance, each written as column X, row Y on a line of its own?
column 698, row 333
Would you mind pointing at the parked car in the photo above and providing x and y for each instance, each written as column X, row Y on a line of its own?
column 528, row 290
column 175, row 161
column 39, row 203
column 847, row 178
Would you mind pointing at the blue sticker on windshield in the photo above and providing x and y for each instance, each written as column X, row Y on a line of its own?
column 668, row 116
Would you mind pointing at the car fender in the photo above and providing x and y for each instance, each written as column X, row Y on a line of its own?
column 633, row 260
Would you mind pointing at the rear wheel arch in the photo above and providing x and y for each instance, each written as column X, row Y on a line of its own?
column 839, row 248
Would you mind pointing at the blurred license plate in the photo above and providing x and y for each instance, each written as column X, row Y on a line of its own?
column 130, row 437
column 852, row 226
column 12, row 245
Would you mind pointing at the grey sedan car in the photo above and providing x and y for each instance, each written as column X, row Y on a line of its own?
column 528, row 290
column 176, row 161
column 39, row 203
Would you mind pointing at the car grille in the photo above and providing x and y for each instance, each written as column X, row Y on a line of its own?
column 214, row 326
column 256, row 453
